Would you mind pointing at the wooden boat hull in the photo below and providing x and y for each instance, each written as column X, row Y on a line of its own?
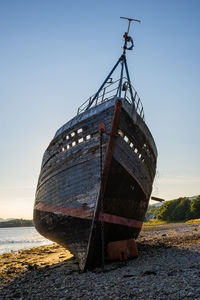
column 70, row 192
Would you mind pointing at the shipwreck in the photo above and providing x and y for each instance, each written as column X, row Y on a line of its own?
column 97, row 172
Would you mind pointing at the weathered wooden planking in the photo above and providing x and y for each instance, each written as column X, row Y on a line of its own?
column 139, row 122
column 71, row 179
column 123, row 196
column 90, row 126
column 126, row 190
column 133, row 165
column 140, row 141
column 76, row 172
column 70, row 232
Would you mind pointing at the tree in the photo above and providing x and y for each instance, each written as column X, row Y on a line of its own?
column 181, row 210
column 174, row 210
column 195, row 208
column 152, row 210
column 164, row 211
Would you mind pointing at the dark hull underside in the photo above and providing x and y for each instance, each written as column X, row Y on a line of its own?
column 70, row 194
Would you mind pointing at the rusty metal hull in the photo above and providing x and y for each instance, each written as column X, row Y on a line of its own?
column 67, row 205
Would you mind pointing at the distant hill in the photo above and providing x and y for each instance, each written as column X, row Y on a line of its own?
column 15, row 223
column 193, row 197
column 6, row 220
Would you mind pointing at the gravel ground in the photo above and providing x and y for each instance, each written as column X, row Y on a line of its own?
column 168, row 267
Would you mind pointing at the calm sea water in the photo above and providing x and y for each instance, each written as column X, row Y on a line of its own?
column 16, row 238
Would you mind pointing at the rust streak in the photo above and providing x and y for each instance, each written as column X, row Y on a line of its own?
column 109, row 153
column 109, row 218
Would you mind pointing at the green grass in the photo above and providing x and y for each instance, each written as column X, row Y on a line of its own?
column 155, row 222
column 159, row 222
column 193, row 221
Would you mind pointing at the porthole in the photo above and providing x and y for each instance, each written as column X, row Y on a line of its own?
column 80, row 140
column 126, row 139
column 88, row 137
column 80, row 130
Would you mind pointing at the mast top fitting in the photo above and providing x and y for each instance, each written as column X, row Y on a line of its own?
column 127, row 38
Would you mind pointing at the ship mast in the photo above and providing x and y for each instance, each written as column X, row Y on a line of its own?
column 127, row 41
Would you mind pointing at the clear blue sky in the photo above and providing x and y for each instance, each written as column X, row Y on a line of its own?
column 55, row 54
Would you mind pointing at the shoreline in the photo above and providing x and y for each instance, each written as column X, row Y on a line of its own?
column 20, row 238
column 168, row 267
column 15, row 226
column 11, row 251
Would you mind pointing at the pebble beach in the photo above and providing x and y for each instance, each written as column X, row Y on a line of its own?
column 168, row 267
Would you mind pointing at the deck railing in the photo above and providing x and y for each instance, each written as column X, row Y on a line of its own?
column 110, row 91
